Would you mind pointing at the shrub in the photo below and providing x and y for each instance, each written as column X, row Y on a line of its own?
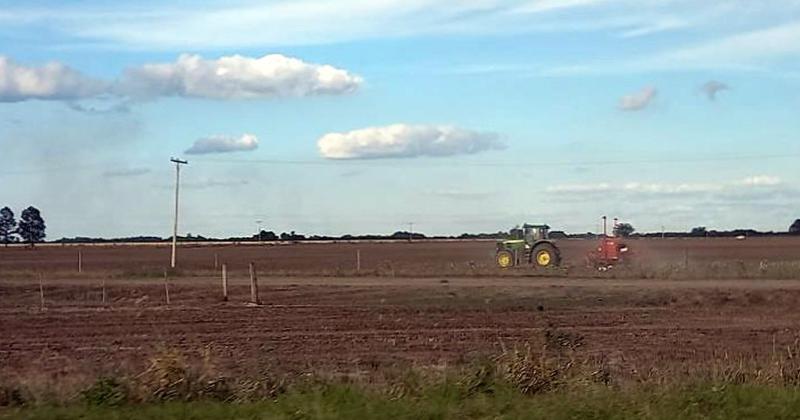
column 105, row 392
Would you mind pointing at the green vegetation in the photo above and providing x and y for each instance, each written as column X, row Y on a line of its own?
column 447, row 401
column 547, row 382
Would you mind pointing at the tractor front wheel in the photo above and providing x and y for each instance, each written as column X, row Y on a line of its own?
column 504, row 259
column 545, row 255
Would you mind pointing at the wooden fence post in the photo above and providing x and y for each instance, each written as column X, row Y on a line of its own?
column 216, row 261
column 358, row 260
column 166, row 286
column 254, row 285
column 225, row 282
column 80, row 261
column 41, row 292
column 686, row 258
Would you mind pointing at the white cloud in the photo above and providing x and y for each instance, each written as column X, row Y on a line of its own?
column 737, row 51
column 748, row 184
column 754, row 50
column 237, row 77
column 51, row 81
column 541, row 6
column 223, row 144
column 661, row 25
column 215, row 24
column 638, row 100
column 712, row 87
column 761, row 180
column 406, row 141
column 635, row 188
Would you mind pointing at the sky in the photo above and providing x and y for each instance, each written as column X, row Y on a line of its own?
column 344, row 116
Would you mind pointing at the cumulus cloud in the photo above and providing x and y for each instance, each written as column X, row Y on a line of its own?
column 406, row 141
column 638, row 100
column 223, row 144
column 712, row 87
column 237, row 77
column 51, row 81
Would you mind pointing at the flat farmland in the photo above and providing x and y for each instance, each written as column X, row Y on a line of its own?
column 317, row 315
column 417, row 258
column 354, row 324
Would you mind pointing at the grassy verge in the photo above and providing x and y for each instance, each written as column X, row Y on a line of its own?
column 448, row 402
column 549, row 382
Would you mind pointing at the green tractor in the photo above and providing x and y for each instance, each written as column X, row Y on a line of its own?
column 528, row 245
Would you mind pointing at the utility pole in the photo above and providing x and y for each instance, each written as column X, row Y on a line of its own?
column 605, row 228
column 410, row 231
column 178, row 164
column 258, row 223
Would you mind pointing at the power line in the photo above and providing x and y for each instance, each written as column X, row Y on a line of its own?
column 432, row 162
column 429, row 163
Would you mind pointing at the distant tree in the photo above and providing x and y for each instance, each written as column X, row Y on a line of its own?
column 266, row 235
column 699, row 231
column 623, row 229
column 795, row 227
column 8, row 225
column 31, row 226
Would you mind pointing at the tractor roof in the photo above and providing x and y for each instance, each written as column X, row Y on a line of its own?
column 528, row 225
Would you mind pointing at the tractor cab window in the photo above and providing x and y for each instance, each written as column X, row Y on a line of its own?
column 535, row 233
column 530, row 234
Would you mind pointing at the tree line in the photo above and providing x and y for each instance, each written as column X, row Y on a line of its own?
column 29, row 229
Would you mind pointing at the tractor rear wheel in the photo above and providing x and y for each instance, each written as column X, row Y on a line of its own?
column 504, row 259
column 545, row 255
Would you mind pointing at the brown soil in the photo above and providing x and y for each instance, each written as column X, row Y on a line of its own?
column 418, row 258
column 352, row 324
column 316, row 319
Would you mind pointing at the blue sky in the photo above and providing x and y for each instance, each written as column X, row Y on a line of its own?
column 357, row 117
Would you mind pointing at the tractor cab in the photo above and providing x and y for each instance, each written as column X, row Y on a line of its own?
column 535, row 233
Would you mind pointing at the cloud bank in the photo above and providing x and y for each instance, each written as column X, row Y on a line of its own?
column 226, row 78
column 756, row 183
column 406, row 141
column 238, row 77
column 51, row 81
column 638, row 100
column 223, row 144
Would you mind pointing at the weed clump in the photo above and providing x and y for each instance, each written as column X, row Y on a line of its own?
column 107, row 392
column 531, row 373
column 171, row 377
column 11, row 396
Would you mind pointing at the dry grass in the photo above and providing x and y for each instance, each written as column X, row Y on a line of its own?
column 557, row 364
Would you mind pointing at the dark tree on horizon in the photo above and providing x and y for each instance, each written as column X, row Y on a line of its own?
column 699, row 231
column 31, row 226
column 795, row 227
column 8, row 225
column 623, row 229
